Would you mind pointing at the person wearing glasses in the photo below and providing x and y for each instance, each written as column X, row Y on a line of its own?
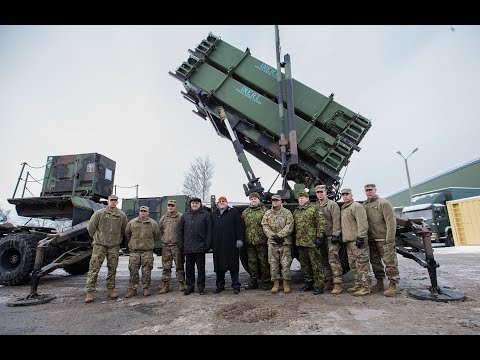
column 141, row 233
column 107, row 228
column 382, row 227
column 168, row 224
column 354, row 233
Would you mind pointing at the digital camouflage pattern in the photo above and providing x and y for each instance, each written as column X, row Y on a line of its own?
column 386, row 251
column 309, row 224
column 171, row 253
column 280, row 259
column 359, row 261
column 137, row 260
column 311, row 265
column 333, row 268
column 336, row 269
column 252, row 217
column 99, row 252
column 258, row 258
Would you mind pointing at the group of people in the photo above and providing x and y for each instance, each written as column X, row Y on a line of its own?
column 316, row 229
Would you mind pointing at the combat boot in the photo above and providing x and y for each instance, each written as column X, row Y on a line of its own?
column 354, row 288
column 286, row 288
column 337, row 289
column 165, row 288
column 362, row 291
column 181, row 286
column 112, row 294
column 89, row 298
column 391, row 290
column 131, row 293
column 308, row 286
column 329, row 285
column 378, row 286
column 276, row 285
column 146, row 292
column 252, row 284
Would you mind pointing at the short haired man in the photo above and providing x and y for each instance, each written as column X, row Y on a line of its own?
column 382, row 227
column 141, row 233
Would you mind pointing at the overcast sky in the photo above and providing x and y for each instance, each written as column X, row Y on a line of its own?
column 106, row 89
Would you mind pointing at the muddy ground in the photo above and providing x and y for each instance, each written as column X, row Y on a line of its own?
column 253, row 311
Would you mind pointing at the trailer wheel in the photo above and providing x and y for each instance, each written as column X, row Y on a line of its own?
column 17, row 257
column 79, row 268
column 449, row 240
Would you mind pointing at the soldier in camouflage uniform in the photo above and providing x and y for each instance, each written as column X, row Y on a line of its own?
column 170, row 252
column 354, row 232
column 331, row 212
column 382, row 227
column 309, row 234
column 277, row 224
column 256, row 242
column 107, row 228
column 141, row 233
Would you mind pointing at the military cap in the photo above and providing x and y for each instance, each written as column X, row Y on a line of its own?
column 172, row 202
column 370, row 187
column 320, row 188
column 222, row 198
column 254, row 194
column 113, row 197
column 276, row 197
column 346, row 191
column 302, row 193
column 195, row 199
column 145, row 208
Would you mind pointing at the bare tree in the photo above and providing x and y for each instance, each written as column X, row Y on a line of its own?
column 198, row 179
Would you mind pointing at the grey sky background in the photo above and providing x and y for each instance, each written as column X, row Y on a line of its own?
column 106, row 89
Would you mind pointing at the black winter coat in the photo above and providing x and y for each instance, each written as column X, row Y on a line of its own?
column 227, row 229
column 195, row 231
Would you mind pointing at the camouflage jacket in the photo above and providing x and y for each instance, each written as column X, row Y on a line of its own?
column 354, row 221
column 331, row 212
column 382, row 224
column 278, row 222
column 107, row 227
column 141, row 234
column 169, row 228
column 309, row 224
column 252, row 217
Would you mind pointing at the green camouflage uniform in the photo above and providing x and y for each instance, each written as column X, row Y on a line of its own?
column 331, row 212
column 381, row 236
column 141, row 235
column 107, row 228
column 280, row 223
column 310, row 224
column 170, row 251
column 256, row 242
column 355, row 225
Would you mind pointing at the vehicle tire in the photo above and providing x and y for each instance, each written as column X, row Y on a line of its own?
column 79, row 268
column 449, row 240
column 17, row 257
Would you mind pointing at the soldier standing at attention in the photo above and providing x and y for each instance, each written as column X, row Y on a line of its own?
column 354, row 232
column 141, row 233
column 382, row 227
column 256, row 242
column 309, row 233
column 277, row 224
column 333, row 267
column 170, row 252
column 107, row 228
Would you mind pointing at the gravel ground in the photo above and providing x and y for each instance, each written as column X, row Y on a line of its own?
column 252, row 311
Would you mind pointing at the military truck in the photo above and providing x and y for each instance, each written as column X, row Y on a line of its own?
column 73, row 188
column 432, row 207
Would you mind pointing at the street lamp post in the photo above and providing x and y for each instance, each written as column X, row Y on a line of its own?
column 408, row 174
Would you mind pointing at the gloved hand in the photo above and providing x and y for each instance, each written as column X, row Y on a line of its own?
column 360, row 242
column 239, row 244
column 180, row 248
column 319, row 241
column 335, row 240
column 278, row 239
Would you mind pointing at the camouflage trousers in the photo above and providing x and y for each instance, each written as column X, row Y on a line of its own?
column 258, row 258
column 359, row 261
column 143, row 259
column 380, row 250
column 311, row 265
column 171, row 253
column 280, row 259
column 99, row 253
column 335, row 265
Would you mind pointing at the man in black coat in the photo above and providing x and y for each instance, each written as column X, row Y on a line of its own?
column 228, row 232
column 194, row 239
